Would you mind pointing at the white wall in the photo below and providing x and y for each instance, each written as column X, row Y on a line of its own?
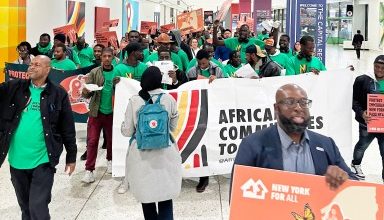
column 44, row 15
column 148, row 7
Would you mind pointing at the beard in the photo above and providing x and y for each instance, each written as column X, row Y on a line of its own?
column 284, row 49
column 293, row 127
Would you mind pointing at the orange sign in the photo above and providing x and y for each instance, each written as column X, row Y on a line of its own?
column 224, row 10
column 259, row 193
column 68, row 30
column 107, row 39
column 166, row 28
column 148, row 27
column 193, row 20
column 375, row 109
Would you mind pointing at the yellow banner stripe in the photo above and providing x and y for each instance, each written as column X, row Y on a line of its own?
column 182, row 109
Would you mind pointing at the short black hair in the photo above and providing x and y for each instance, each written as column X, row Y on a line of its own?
column 107, row 49
column 358, row 31
column 99, row 45
column 163, row 49
column 202, row 54
column 60, row 37
column 25, row 44
column 305, row 39
column 227, row 30
column 46, row 35
column 133, row 31
column 232, row 54
column 133, row 47
column 285, row 35
column 62, row 46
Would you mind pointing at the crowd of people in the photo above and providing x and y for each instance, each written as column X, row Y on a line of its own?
column 41, row 110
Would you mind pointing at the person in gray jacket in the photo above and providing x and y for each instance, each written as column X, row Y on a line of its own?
column 204, row 68
column 154, row 175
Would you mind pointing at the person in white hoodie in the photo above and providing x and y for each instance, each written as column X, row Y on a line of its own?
column 364, row 85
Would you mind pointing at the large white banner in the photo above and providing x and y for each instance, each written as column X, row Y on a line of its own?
column 215, row 117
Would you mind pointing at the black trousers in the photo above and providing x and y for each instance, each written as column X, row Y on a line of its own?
column 358, row 52
column 33, row 190
column 165, row 210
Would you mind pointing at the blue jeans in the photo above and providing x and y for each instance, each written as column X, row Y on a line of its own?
column 365, row 139
column 165, row 210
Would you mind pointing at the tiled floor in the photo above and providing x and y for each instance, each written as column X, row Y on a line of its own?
column 100, row 200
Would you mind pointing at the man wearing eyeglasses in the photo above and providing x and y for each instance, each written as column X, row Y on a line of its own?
column 290, row 146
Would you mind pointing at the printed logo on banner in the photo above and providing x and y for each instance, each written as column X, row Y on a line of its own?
column 74, row 86
column 254, row 190
column 192, row 126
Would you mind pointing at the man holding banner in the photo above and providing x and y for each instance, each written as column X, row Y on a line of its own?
column 35, row 122
column 290, row 146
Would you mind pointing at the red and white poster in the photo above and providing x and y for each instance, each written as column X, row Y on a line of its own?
column 167, row 28
column 107, row 39
column 191, row 21
column 259, row 193
column 148, row 27
column 375, row 109
column 68, row 30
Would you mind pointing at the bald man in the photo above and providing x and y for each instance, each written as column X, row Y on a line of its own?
column 35, row 122
column 290, row 146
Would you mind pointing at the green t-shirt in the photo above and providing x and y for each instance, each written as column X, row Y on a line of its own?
column 230, row 70
column 381, row 86
column 284, row 62
column 85, row 56
column 65, row 64
column 184, row 58
column 146, row 53
column 27, row 147
column 107, row 92
column 234, row 44
column 133, row 72
column 290, row 53
column 194, row 63
column 262, row 37
column 303, row 66
column 174, row 57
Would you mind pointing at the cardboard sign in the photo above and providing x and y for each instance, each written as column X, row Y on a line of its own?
column 375, row 109
column 107, row 39
column 148, row 27
column 193, row 20
column 67, row 30
column 167, row 28
column 259, row 193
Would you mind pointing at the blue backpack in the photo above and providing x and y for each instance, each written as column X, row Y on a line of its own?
column 152, row 130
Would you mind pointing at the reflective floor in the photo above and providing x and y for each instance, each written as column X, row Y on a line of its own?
column 74, row 200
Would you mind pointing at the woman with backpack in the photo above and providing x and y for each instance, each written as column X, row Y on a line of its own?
column 153, row 167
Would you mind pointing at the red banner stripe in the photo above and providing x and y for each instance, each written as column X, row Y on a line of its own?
column 194, row 107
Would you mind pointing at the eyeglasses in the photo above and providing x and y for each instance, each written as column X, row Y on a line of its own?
column 291, row 102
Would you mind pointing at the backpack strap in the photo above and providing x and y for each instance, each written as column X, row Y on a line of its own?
column 158, row 98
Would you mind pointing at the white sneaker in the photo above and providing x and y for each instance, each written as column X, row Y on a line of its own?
column 88, row 177
column 358, row 172
column 123, row 188
column 109, row 166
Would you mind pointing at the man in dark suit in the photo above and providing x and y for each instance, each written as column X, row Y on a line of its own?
column 290, row 146
column 357, row 42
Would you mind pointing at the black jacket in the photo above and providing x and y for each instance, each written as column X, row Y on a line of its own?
column 35, row 52
column 357, row 40
column 56, row 114
column 269, row 68
column 362, row 86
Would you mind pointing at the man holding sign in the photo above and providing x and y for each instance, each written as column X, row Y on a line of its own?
column 363, row 86
column 290, row 146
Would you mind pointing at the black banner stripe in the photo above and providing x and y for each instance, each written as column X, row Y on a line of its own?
column 201, row 127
